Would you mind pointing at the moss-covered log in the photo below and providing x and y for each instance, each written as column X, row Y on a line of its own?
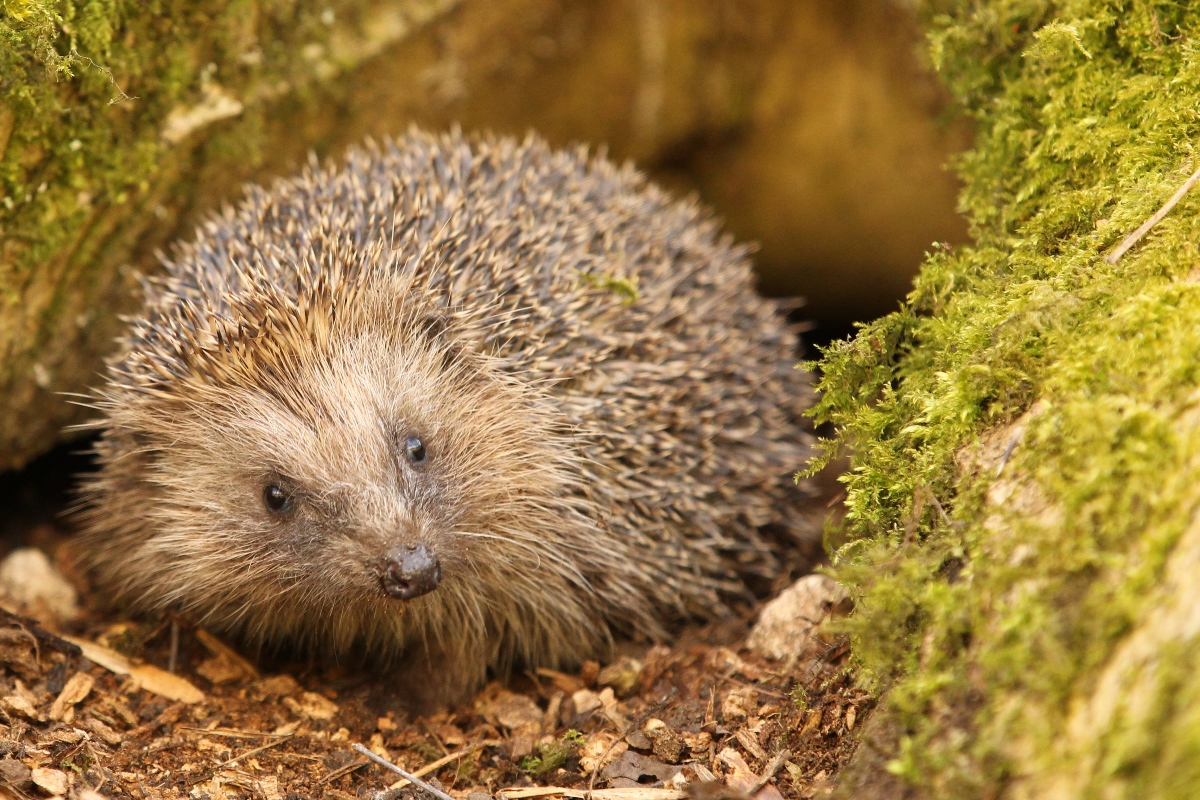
column 1022, row 536
column 122, row 123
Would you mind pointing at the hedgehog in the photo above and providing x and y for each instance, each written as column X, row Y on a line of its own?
column 461, row 404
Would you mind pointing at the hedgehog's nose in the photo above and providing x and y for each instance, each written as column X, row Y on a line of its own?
column 409, row 571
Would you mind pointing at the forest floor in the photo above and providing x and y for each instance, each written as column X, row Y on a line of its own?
column 666, row 719
column 104, row 707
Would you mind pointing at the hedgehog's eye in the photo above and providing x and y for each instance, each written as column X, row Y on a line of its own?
column 277, row 499
column 415, row 449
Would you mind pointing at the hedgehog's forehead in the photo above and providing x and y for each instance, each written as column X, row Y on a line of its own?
column 362, row 379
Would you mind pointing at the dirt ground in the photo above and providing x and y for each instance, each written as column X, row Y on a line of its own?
column 217, row 727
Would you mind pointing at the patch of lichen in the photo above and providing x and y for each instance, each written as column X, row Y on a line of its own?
column 986, row 623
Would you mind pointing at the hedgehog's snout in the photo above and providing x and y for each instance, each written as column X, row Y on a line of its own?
column 410, row 570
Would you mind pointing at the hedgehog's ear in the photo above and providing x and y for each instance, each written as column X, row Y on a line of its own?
column 434, row 327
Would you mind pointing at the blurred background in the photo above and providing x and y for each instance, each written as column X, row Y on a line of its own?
column 814, row 128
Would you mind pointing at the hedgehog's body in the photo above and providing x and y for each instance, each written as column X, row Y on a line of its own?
column 524, row 393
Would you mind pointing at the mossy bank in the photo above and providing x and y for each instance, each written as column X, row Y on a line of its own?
column 1021, row 536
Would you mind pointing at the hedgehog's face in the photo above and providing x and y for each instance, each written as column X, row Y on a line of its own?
column 376, row 478
column 410, row 566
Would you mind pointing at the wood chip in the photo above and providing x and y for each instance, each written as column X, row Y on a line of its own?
column 21, row 707
column 78, row 687
column 745, row 779
column 145, row 676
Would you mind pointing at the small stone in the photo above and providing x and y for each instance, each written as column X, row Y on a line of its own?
column 50, row 781
column 585, row 701
column 276, row 686
column 31, row 583
column 220, row 669
column 786, row 624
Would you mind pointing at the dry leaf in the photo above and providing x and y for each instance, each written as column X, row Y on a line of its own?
column 76, row 689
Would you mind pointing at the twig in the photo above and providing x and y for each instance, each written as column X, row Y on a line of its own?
column 108, row 73
column 413, row 779
column 434, row 766
column 1134, row 237
column 769, row 772
column 173, row 658
column 232, row 733
column 253, row 752
column 1008, row 451
column 346, row 770
column 941, row 511
column 207, row 775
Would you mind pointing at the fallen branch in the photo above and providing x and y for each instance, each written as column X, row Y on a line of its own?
column 1133, row 238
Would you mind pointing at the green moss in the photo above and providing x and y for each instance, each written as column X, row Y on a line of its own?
column 552, row 755
column 625, row 288
column 985, row 633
